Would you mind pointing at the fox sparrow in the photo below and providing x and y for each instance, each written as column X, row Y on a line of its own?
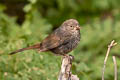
column 63, row 40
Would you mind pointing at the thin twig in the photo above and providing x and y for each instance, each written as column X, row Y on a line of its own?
column 115, row 68
column 105, row 60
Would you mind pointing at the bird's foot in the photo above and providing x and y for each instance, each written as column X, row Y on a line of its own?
column 68, row 56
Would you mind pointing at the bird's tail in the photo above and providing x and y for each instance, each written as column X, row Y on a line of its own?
column 36, row 46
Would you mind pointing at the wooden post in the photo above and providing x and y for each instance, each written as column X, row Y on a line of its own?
column 65, row 73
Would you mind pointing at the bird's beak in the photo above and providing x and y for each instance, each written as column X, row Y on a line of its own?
column 77, row 27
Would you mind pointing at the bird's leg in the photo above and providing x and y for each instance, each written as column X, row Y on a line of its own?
column 64, row 55
column 67, row 55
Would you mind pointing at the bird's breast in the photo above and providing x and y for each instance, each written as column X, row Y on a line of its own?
column 68, row 46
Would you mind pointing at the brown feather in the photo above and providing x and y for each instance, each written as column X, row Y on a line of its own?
column 36, row 46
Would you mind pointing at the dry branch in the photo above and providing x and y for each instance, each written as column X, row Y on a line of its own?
column 105, row 60
column 115, row 68
column 65, row 73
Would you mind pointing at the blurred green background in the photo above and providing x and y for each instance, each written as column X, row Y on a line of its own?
column 26, row 22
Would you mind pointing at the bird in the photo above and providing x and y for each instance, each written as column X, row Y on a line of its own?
column 61, row 41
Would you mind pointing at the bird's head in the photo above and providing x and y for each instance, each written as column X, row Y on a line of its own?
column 71, row 25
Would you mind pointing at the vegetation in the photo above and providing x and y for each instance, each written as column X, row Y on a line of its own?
column 100, row 24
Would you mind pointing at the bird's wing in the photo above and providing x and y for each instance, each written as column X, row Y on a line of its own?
column 50, row 42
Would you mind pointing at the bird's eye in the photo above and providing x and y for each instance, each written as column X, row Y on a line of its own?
column 71, row 26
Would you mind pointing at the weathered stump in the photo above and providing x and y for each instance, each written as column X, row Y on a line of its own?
column 65, row 73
